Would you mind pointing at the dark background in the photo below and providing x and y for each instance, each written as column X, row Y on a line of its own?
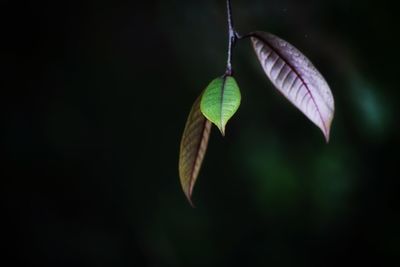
column 94, row 97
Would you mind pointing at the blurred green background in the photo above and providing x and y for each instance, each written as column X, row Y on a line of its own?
column 94, row 99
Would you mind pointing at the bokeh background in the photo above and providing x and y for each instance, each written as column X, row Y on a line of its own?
column 94, row 98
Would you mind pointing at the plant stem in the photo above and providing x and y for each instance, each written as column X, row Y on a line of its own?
column 233, row 36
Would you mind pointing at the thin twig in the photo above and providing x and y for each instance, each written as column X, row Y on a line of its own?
column 233, row 36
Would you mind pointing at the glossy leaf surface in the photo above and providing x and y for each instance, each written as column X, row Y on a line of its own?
column 220, row 101
column 193, row 148
column 296, row 78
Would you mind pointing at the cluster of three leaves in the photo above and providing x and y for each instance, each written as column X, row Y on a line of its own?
column 290, row 72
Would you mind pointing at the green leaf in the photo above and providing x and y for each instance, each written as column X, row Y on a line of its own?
column 220, row 101
column 193, row 148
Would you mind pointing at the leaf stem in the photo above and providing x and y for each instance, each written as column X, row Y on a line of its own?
column 233, row 37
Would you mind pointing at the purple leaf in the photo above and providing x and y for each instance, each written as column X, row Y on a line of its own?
column 296, row 78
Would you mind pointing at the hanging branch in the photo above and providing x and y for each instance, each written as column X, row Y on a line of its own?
column 291, row 72
column 232, row 35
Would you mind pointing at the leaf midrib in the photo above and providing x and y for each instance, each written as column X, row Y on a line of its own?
column 192, row 178
column 222, row 101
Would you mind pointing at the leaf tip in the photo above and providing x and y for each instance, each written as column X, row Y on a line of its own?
column 222, row 129
column 188, row 191
column 327, row 136
column 327, row 130
column 189, row 198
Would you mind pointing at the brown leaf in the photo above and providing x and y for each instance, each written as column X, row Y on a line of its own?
column 193, row 148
